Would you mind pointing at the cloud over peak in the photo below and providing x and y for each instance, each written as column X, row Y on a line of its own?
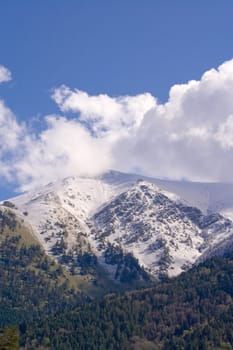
column 189, row 136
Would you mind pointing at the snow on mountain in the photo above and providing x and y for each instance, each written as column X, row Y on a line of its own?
column 118, row 218
column 163, row 234
column 60, row 210
column 208, row 197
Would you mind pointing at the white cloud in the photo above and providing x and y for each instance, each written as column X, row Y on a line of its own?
column 105, row 113
column 5, row 74
column 190, row 136
column 64, row 148
column 11, row 135
column 10, row 130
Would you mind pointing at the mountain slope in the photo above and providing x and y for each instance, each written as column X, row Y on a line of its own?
column 163, row 234
column 208, row 197
column 192, row 311
column 129, row 225
column 31, row 283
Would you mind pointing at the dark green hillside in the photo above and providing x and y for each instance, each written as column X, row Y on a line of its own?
column 193, row 311
column 31, row 284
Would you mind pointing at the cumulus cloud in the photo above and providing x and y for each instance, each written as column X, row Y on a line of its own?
column 104, row 113
column 190, row 136
column 5, row 74
column 82, row 144
column 10, row 135
column 65, row 148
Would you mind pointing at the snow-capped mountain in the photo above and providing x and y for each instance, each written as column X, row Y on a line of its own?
column 130, row 224
column 164, row 234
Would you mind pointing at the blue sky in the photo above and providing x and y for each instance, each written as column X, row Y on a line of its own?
column 115, row 47
column 118, row 48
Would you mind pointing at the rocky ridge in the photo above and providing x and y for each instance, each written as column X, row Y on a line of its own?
column 133, row 227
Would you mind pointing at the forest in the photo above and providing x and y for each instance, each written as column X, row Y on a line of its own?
column 192, row 311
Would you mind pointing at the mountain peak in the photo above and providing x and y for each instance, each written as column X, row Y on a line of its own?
column 161, row 224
